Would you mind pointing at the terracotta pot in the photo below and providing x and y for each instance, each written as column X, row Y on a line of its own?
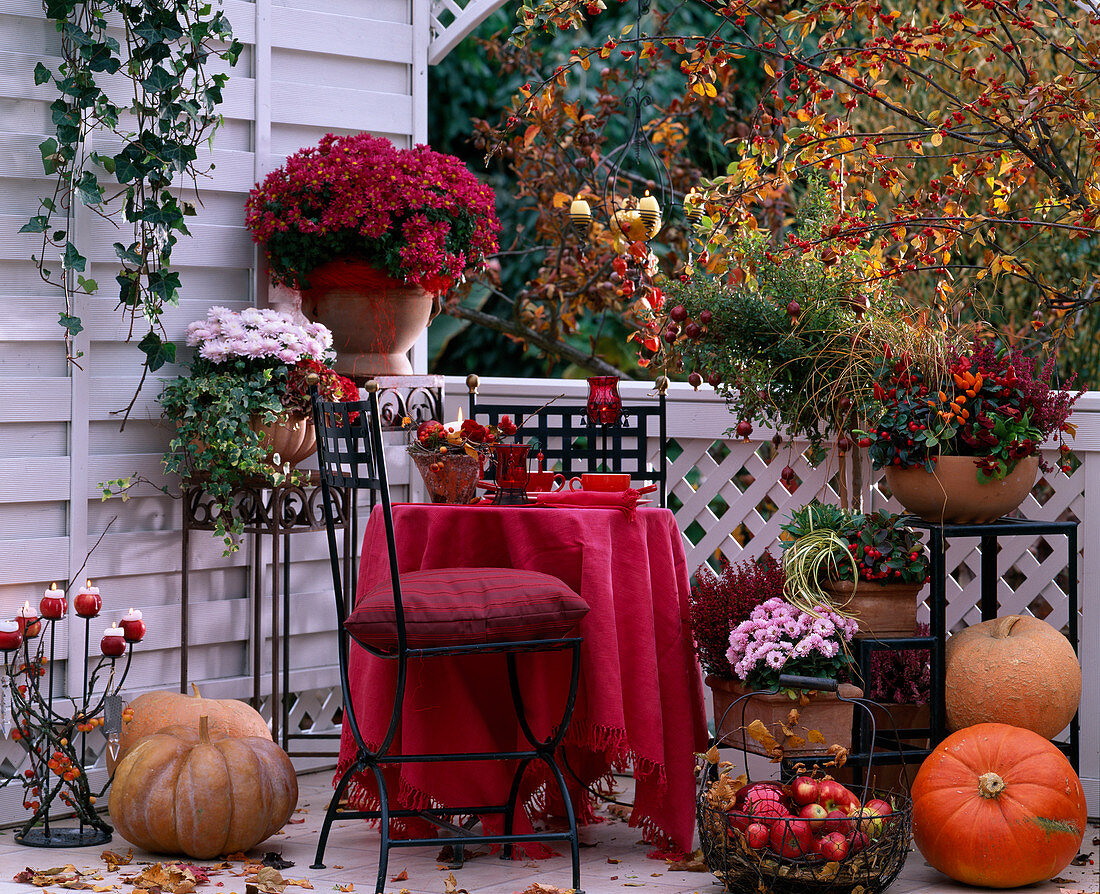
column 825, row 713
column 291, row 437
column 374, row 319
column 454, row 478
column 951, row 494
column 882, row 609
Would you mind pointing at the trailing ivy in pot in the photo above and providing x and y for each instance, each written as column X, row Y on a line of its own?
column 170, row 108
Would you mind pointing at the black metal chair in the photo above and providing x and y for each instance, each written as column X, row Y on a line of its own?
column 571, row 445
column 350, row 455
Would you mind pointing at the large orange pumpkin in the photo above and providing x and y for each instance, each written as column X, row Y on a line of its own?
column 182, row 791
column 153, row 711
column 997, row 806
column 1017, row 670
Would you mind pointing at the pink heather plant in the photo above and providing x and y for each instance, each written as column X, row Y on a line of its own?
column 259, row 335
column 418, row 215
column 779, row 638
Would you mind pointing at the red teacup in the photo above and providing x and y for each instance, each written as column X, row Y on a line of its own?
column 544, row 482
column 601, row 481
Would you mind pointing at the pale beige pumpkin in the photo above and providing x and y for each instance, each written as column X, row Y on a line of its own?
column 186, row 791
column 1016, row 670
column 153, row 711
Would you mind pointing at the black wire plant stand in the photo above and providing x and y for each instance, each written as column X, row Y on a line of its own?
column 742, row 868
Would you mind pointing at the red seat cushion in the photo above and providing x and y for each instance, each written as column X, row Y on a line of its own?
column 467, row 606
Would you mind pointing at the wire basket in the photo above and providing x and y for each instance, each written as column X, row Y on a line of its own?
column 752, row 850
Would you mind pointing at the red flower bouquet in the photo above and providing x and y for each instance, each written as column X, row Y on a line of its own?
column 416, row 214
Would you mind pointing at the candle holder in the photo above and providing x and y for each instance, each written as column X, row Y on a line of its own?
column 50, row 737
column 511, row 474
column 603, row 408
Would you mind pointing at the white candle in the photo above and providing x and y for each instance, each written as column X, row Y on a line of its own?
column 9, row 626
column 27, row 612
column 52, row 592
column 132, row 615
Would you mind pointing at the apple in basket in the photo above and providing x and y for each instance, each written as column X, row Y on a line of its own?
column 833, row 846
column 765, row 801
column 805, row 790
column 815, row 815
column 792, row 838
column 837, row 821
column 757, row 835
column 871, row 814
column 835, row 796
column 857, row 842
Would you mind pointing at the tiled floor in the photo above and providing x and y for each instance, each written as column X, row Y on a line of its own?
column 613, row 861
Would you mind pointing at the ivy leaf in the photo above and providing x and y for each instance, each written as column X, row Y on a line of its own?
column 73, row 259
column 160, row 80
column 37, row 224
column 88, row 189
column 157, row 352
column 88, row 285
column 41, row 74
column 70, row 323
column 48, row 148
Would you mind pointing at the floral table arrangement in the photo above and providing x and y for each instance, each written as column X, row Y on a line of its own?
column 960, row 434
column 867, row 565
column 451, row 456
column 242, row 412
column 372, row 235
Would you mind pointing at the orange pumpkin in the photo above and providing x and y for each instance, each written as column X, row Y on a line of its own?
column 1017, row 670
column 154, row 711
column 997, row 806
column 182, row 791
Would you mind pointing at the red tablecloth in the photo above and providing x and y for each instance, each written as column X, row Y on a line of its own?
column 640, row 699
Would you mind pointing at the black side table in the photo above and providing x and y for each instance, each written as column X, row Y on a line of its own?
column 938, row 535
column 274, row 513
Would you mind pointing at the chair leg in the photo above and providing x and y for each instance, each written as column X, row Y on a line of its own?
column 513, row 804
column 384, row 828
column 574, row 840
column 330, row 814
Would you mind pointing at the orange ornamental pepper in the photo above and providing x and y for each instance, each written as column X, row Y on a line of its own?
column 942, row 397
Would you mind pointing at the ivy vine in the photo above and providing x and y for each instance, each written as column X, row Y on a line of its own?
column 162, row 109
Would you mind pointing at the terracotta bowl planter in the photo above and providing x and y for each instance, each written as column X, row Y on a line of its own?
column 882, row 609
column 291, row 437
column 825, row 713
column 374, row 319
column 951, row 494
column 454, row 478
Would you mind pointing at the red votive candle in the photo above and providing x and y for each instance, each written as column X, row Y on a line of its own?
column 11, row 635
column 133, row 627
column 87, row 601
column 112, row 645
column 53, row 605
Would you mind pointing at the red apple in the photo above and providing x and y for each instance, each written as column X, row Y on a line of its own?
column 758, row 792
column 804, row 790
column 882, row 808
column 833, row 847
column 871, row 822
column 857, row 842
column 86, row 604
column 815, row 815
column 792, row 838
column 757, row 835
column 769, row 812
column 833, row 795
column 837, row 821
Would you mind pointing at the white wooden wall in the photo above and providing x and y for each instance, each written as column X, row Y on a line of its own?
column 310, row 67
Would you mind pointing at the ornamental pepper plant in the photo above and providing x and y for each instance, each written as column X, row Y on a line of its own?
column 994, row 405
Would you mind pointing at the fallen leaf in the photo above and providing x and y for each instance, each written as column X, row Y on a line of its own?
column 267, row 881
column 613, row 860
column 299, row 883
column 350, row 886
column 402, row 876
column 1082, row 859
column 114, row 860
column 538, row 888
column 450, row 885
column 292, row 822
column 170, row 879
column 276, row 861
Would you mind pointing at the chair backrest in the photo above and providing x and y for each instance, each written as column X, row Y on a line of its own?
column 570, row 444
column 350, row 454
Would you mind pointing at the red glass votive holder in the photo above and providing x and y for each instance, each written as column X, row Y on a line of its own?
column 604, row 406
column 511, row 473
